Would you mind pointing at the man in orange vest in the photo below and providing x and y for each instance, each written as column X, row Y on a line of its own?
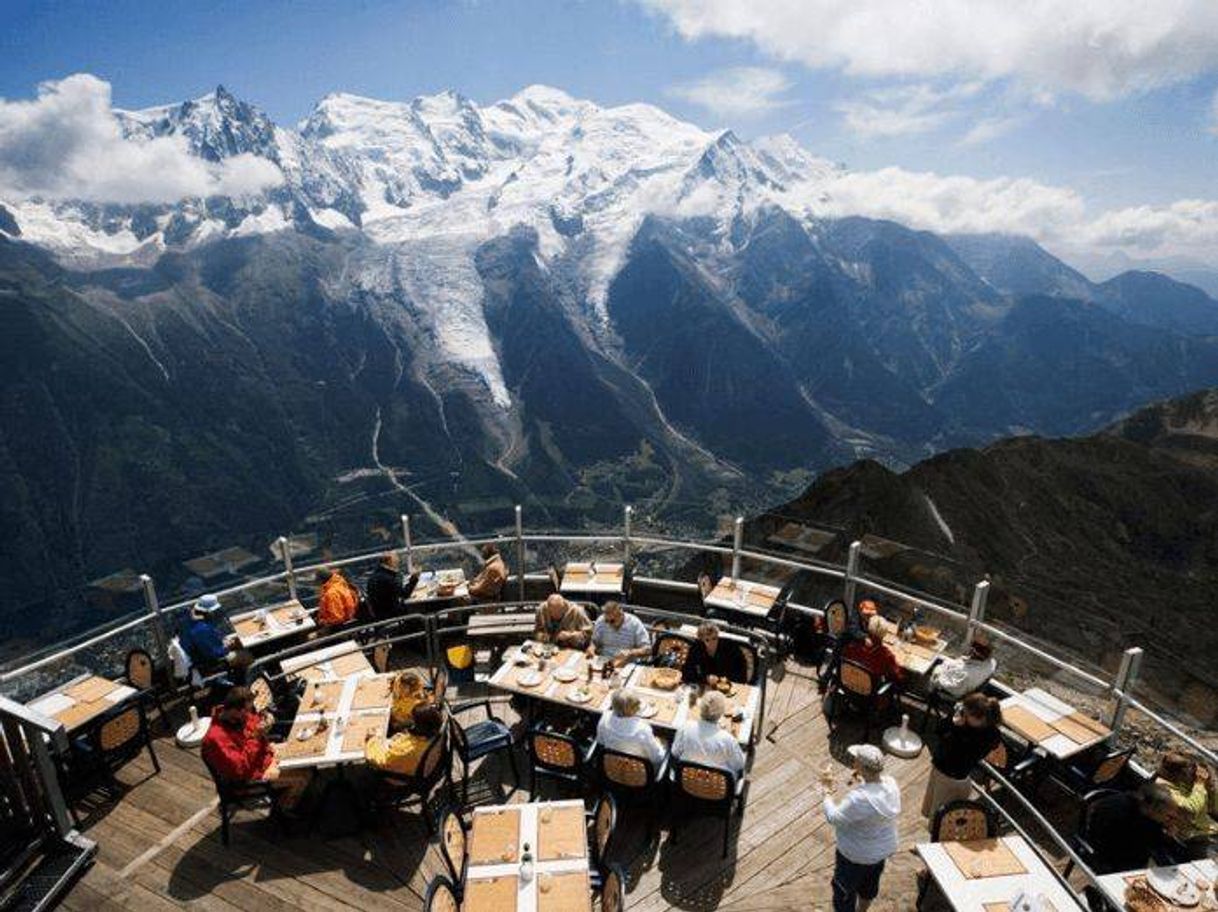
column 338, row 600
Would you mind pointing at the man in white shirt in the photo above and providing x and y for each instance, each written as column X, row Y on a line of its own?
column 621, row 729
column 619, row 636
column 702, row 740
column 865, row 821
column 958, row 677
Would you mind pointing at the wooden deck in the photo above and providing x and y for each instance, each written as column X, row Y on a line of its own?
column 159, row 844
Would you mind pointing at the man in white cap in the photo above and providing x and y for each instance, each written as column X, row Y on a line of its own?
column 201, row 639
column 866, row 824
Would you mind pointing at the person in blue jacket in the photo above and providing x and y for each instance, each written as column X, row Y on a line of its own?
column 202, row 640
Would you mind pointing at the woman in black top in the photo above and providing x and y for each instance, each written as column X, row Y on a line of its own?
column 963, row 742
column 711, row 659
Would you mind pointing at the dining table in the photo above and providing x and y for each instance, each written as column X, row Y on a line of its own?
column 81, row 700
column 593, row 578
column 1051, row 724
column 988, row 875
column 743, row 597
column 1203, row 875
column 272, row 624
column 334, row 720
column 338, row 660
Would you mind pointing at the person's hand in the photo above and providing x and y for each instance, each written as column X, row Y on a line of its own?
column 712, row 680
column 590, row 651
column 272, row 772
column 265, row 721
column 619, row 660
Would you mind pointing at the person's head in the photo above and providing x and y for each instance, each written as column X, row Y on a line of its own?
column 876, row 630
column 556, row 606
column 323, row 575
column 980, row 711
column 1178, row 769
column 712, row 706
column 625, row 703
column 708, row 633
column 426, row 719
column 868, row 761
column 489, row 550
column 389, row 560
column 206, row 608
column 237, row 702
column 408, row 682
column 614, row 615
column 867, row 610
column 980, row 649
column 1155, row 802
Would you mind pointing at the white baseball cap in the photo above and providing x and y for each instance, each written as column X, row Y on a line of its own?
column 206, row 606
column 868, row 756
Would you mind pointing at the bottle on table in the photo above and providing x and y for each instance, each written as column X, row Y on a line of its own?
column 526, row 864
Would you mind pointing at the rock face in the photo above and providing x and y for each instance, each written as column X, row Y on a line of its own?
column 448, row 308
column 1096, row 543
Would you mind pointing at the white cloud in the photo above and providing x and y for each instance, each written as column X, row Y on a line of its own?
column 67, row 144
column 990, row 128
column 1098, row 48
column 1183, row 227
column 736, row 92
column 904, row 109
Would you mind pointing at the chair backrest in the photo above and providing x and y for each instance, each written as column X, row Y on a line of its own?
column 1089, row 802
column 439, row 685
column 553, row 750
column 749, row 656
column 139, row 669
column 452, row 843
column 1111, row 766
column 264, row 696
column 122, row 733
column 962, row 821
column 626, row 769
column 704, row 783
column 613, row 890
column 555, row 579
column 671, row 649
column 380, row 657
column 855, row 679
column 706, row 585
column 441, row 896
column 837, row 618
column 604, row 822
column 999, row 757
column 627, row 578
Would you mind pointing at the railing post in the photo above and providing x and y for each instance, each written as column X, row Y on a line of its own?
column 852, row 571
column 627, row 513
column 285, row 549
column 976, row 615
column 409, row 545
column 520, row 551
column 737, row 544
column 429, row 628
column 1126, row 677
column 159, row 632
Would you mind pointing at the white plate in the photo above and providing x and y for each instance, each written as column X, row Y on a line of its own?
column 1173, row 886
column 579, row 696
column 647, row 709
column 529, row 679
column 565, row 674
column 306, row 733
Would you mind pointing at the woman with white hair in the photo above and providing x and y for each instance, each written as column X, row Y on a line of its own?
column 621, row 729
column 701, row 740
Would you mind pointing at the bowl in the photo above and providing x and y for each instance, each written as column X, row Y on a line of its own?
column 927, row 635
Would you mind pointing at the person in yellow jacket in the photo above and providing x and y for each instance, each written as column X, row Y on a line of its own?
column 408, row 693
column 338, row 600
column 401, row 753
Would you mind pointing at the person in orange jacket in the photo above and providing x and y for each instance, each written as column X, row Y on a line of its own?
column 338, row 600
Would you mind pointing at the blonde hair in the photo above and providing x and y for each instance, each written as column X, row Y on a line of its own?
column 712, row 706
column 876, row 628
column 408, row 681
column 624, row 703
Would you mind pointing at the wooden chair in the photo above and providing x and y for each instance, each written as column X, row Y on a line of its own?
column 394, row 790
column 555, row 578
column 380, row 657
column 837, row 623
column 439, row 685
column 141, row 674
column 263, row 694
column 711, row 788
column 1015, row 761
column 110, row 743
column 454, row 843
column 555, row 755
column 238, row 796
column 613, row 890
column 601, row 822
column 441, row 896
column 1081, row 841
column 632, row 777
column 858, row 689
column 670, row 649
column 1093, row 771
column 481, row 739
column 751, row 661
column 963, row 820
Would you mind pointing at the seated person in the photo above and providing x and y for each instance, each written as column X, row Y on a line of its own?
column 387, row 589
column 337, row 601
column 402, row 752
column 711, row 660
column 701, row 740
column 209, row 650
column 872, row 654
column 964, row 675
column 1194, row 791
column 560, row 622
column 408, row 692
column 488, row 585
column 236, row 747
column 1126, row 828
column 620, row 729
column 619, row 636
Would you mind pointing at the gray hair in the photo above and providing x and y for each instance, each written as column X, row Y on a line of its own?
column 712, row 706
column 624, row 703
column 708, row 627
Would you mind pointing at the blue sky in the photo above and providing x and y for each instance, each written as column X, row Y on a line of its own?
column 1116, row 107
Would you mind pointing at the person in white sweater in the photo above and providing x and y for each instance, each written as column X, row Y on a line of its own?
column 621, row 729
column 702, row 741
column 967, row 674
column 865, row 821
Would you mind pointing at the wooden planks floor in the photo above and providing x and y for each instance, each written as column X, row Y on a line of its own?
column 159, row 844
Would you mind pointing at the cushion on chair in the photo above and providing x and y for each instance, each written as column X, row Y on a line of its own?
column 486, row 736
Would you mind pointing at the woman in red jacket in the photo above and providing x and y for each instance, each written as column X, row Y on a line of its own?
column 873, row 655
column 236, row 747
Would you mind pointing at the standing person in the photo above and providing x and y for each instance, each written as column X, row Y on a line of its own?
column 964, row 741
column 957, row 677
column 710, row 660
column 865, row 821
column 702, row 741
column 560, row 622
column 1194, row 791
column 386, row 588
column 337, row 599
column 488, row 585
column 619, row 636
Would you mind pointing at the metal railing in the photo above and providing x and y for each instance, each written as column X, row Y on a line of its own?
column 1120, row 687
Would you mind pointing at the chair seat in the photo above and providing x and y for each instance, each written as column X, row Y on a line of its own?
column 486, row 736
